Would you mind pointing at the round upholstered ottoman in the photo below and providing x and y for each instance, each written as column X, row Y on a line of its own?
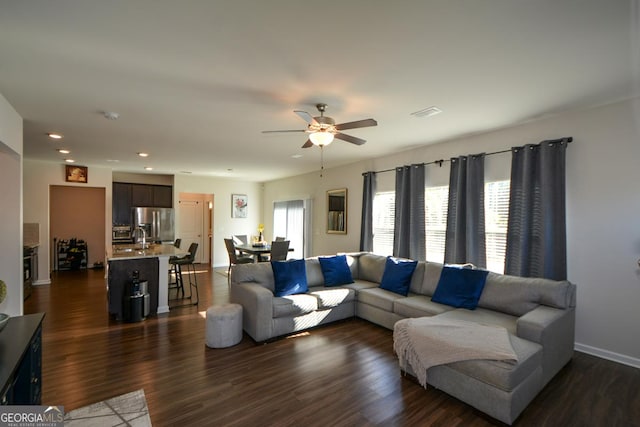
column 224, row 325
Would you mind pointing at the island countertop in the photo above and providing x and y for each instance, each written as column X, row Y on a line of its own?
column 135, row 251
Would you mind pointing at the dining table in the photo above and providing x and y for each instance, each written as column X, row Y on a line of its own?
column 256, row 250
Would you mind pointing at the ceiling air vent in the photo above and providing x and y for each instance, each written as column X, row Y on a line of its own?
column 427, row 112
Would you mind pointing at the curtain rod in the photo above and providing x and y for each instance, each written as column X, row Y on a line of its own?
column 567, row 139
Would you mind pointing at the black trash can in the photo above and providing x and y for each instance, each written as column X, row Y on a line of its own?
column 135, row 303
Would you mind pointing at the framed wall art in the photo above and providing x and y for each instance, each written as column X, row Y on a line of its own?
column 74, row 173
column 239, row 205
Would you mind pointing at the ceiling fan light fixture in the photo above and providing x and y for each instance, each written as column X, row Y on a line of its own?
column 321, row 138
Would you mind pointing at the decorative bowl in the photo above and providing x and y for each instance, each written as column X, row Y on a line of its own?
column 4, row 318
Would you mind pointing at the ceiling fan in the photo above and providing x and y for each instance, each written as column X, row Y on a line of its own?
column 323, row 129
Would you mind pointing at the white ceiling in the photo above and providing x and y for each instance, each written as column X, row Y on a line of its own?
column 195, row 82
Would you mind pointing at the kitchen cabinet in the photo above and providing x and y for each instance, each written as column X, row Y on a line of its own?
column 162, row 196
column 127, row 195
column 21, row 360
column 121, row 199
column 141, row 195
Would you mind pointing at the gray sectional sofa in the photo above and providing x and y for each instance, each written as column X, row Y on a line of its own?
column 539, row 315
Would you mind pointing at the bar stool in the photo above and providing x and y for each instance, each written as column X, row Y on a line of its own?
column 187, row 261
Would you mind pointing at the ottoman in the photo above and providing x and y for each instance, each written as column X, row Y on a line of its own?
column 224, row 325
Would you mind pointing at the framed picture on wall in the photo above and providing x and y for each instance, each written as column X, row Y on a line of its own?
column 76, row 174
column 239, row 205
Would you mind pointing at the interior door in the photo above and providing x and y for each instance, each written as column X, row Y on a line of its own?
column 192, row 226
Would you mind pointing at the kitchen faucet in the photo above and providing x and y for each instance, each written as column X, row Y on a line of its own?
column 144, row 236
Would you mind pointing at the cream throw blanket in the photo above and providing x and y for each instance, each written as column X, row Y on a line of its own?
column 428, row 341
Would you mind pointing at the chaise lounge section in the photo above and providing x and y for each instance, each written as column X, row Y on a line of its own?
column 538, row 314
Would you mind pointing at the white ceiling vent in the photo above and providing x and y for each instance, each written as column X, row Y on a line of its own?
column 427, row 112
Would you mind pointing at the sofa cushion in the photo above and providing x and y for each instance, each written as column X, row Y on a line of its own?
column 432, row 272
column 379, row 298
column 371, row 267
column 290, row 277
column 397, row 275
column 519, row 295
column 358, row 285
column 460, row 287
column 335, row 270
column 329, row 298
column 483, row 316
column 504, row 375
column 294, row 305
column 314, row 272
column 259, row 273
column 418, row 306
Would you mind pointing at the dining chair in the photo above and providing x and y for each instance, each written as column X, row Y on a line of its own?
column 188, row 261
column 234, row 258
column 279, row 250
column 240, row 239
column 177, row 243
column 280, row 239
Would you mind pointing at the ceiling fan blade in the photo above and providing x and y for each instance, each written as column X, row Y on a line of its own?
column 279, row 131
column 306, row 117
column 308, row 144
column 357, row 124
column 349, row 138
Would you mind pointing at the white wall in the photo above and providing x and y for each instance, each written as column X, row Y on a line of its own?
column 223, row 224
column 603, row 210
column 38, row 177
column 11, row 207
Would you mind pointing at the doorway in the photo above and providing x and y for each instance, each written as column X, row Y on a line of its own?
column 195, row 224
column 78, row 213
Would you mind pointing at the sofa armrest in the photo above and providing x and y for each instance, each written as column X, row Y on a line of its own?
column 554, row 330
column 257, row 309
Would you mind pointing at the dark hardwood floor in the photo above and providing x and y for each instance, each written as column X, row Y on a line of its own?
column 343, row 374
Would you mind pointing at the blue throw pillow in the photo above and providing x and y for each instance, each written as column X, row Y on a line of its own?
column 290, row 277
column 460, row 287
column 335, row 270
column 397, row 275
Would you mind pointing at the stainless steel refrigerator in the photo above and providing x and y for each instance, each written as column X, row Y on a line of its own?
column 156, row 222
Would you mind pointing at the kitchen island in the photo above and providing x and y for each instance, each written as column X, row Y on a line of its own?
column 153, row 264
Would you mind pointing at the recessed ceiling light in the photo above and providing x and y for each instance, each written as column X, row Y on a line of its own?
column 69, row 160
column 296, row 156
column 63, row 151
column 110, row 115
column 141, row 154
column 113, row 161
column 427, row 112
column 148, row 168
column 54, row 135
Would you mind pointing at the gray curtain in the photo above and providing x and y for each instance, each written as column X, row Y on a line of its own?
column 409, row 230
column 366, row 228
column 465, row 236
column 536, row 233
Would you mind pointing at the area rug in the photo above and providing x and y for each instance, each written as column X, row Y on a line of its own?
column 126, row 410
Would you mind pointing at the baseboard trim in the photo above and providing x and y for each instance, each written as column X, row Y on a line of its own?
column 609, row 355
column 42, row 282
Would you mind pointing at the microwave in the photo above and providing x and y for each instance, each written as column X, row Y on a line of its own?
column 121, row 233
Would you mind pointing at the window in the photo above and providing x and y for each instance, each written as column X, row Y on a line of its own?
column 289, row 222
column 436, row 203
column 496, row 212
column 384, row 205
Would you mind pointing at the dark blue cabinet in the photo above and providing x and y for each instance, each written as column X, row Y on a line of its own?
column 21, row 360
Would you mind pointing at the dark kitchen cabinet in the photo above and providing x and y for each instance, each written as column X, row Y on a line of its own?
column 127, row 195
column 162, row 196
column 142, row 195
column 21, row 360
column 121, row 199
